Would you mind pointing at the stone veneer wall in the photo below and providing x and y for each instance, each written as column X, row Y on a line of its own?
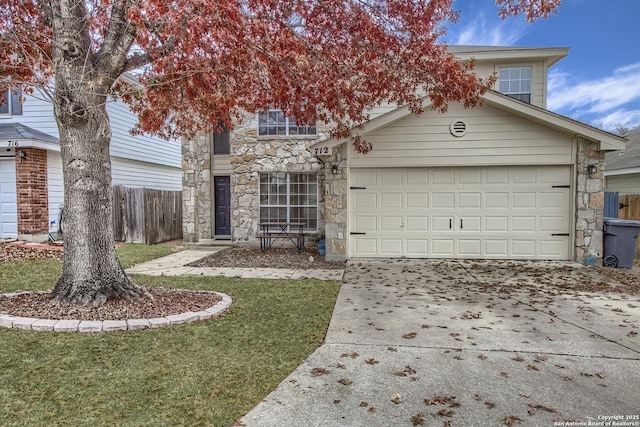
column 251, row 155
column 589, row 202
column 196, row 188
column 335, row 211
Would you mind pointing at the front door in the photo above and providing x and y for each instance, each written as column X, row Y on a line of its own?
column 222, row 195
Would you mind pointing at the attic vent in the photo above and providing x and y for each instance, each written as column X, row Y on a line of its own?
column 458, row 128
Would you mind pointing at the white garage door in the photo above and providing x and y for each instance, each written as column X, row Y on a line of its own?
column 520, row 212
column 8, row 207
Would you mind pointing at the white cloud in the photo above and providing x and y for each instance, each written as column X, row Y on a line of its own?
column 487, row 32
column 606, row 101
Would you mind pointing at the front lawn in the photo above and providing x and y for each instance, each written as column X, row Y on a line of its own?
column 205, row 373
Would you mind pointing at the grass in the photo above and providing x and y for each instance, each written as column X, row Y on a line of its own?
column 36, row 273
column 206, row 373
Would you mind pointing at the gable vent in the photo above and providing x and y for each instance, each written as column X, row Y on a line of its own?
column 458, row 128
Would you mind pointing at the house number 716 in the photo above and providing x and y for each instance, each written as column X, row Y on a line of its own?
column 12, row 144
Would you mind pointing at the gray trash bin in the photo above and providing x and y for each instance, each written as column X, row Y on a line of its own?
column 620, row 237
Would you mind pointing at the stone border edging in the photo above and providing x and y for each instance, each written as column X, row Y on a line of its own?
column 66, row 325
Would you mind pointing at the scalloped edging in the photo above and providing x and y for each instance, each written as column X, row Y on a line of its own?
column 86, row 326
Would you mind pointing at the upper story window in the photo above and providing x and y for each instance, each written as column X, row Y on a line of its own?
column 222, row 142
column 274, row 122
column 516, row 83
column 11, row 104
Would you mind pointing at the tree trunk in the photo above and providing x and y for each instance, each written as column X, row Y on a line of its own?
column 91, row 271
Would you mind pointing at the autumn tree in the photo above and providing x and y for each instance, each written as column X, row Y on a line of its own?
column 202, row 62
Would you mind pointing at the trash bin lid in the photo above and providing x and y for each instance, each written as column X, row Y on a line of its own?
column 622, row 222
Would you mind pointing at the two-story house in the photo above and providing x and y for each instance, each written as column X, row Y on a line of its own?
column 506, row 180
column 31, row 186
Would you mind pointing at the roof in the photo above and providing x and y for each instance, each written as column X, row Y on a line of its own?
column 606, row 140
column 627, row 158
column 508, row 53
column 21, row 133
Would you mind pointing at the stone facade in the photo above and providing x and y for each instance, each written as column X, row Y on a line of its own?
column 589, row 202
column 336, row 193
column 196, row 188
column 252, row 154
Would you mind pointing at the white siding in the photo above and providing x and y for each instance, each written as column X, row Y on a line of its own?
column 144, row 147
column 55, row 185
column 623, row 184
column 139, row 174
column 493, row 137
column 37, row 114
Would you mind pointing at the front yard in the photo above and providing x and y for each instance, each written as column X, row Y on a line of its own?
column 204, row 373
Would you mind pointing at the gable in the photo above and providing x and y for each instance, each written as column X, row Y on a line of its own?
column 491, row 137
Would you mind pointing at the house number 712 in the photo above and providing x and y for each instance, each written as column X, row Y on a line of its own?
column 322, row 150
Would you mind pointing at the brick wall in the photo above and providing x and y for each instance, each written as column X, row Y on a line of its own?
column 32, row 191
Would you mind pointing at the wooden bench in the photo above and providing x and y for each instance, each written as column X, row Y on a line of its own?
column 272, row 231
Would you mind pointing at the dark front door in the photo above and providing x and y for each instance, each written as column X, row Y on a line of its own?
column 222, row 195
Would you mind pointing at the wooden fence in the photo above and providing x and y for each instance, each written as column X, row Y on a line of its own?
column 142, row 215
column 629, row 208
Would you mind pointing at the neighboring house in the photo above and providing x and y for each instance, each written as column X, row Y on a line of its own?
column 506, row 180
column 31, row 186
column 622, row 168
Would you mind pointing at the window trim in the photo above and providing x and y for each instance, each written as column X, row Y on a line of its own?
column 12, row 101
column 516, row 95
column 287, row 126
column 288, row 206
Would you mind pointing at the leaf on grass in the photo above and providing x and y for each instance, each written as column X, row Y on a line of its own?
column 341, row 366
column 518, row 359
column 425, row 326
column 371, row 361
column 532, row 368
column 335, row 402
column 364, row 404
column 458, row 357
column 371, row 410
column 316, row 372
column 489, row 405
column 504, row 374
column 540, row 358
column 477, row 396
column 410, row 335
column 417, row 420
column 511, row 420
column 482, row 357
column 526, row 396
column 345, row 381
column 392, row 349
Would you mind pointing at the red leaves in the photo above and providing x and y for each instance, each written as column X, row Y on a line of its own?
column 210, row 60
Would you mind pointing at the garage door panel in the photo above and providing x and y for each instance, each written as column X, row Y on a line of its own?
column 417, row 200
column 471, row 212
column 8, row 199
column 443, row 200
column 442, row 247
column 390, row 223
column 364, row 223
column 496, row 248
column 417, row 224
column 391, row 200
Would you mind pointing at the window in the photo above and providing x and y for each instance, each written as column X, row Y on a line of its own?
column 289, row 197
column 516, row 83
column 11, row 102
column 274, row 122
column 221, row 141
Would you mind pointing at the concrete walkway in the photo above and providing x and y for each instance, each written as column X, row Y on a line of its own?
column 176, row 265
column 467, row 343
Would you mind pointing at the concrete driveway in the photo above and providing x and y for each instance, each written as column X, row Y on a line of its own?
column 468, row 343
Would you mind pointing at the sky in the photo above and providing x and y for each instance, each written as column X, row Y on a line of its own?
column 598, row 83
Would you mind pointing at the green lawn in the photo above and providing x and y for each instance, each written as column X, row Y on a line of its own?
column 205, row 373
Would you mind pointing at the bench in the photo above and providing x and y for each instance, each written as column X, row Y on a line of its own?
column 272, row 231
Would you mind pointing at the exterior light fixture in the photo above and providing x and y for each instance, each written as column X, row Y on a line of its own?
column 22, row 155
column 334, row 169
column 591, row 169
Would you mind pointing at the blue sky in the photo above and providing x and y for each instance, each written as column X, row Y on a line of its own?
column 599, row 81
